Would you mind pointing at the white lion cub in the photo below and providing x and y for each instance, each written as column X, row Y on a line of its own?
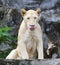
column 29, row 37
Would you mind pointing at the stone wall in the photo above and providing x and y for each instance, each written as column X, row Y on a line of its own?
column 30, row 62
column 50, row 19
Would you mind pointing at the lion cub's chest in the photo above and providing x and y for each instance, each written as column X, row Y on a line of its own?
column 31, row 44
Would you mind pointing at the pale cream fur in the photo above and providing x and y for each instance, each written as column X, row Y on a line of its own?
column 28, row 41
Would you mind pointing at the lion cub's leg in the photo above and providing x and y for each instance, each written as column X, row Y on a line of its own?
column 22, row 51
column 40, row 46
column 13, row 54
column 40, row 50
column 22, row 48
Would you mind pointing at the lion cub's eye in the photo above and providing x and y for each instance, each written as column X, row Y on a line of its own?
column 28, row 18
column 35, row 17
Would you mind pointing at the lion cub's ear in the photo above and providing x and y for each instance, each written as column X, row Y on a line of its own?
column 23, row 12
column 38, row 11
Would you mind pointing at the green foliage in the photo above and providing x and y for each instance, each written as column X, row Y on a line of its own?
column 6, row 37
column 4, row 34
column 5, row 53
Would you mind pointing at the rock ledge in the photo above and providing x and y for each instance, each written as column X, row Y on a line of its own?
column 30, row 62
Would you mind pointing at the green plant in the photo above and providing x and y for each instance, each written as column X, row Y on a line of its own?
column 4, row 34
column 6, row 37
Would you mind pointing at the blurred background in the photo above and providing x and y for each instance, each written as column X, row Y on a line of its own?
column 10, row 20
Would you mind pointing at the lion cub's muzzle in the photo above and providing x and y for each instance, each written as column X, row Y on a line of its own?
column 32, row 27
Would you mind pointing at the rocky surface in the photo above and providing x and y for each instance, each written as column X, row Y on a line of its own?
column 50, row 17
column 30, row 62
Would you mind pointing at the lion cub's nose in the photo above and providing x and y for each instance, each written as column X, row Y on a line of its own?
column 32, row 27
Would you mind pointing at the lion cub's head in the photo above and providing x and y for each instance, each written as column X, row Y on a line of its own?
column 31, row 18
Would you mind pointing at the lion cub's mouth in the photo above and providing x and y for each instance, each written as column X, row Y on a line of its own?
column 32, row 27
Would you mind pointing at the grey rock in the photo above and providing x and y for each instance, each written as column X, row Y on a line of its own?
column 4, row 47
column 30, row 62
column 51, row 15
column 47, row 4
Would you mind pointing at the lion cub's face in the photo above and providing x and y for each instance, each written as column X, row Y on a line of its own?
column 31, row 18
